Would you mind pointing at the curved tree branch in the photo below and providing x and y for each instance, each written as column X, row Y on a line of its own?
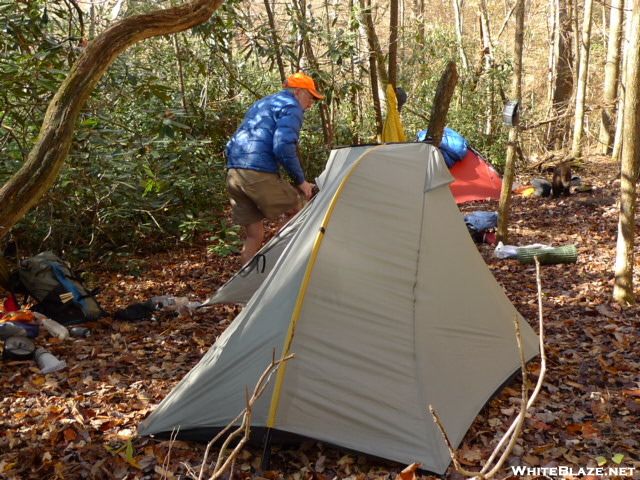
column 50, row 149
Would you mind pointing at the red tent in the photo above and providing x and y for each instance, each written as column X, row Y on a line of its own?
column 475, row 178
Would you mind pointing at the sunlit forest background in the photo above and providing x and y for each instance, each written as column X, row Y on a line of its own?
column 147, row 164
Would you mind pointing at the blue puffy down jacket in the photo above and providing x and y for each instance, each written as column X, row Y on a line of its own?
column 453, row 145
column 268, row 136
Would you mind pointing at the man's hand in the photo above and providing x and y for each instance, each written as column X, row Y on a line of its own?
column 305, row 188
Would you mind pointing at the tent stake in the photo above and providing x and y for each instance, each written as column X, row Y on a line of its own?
column 266, row 452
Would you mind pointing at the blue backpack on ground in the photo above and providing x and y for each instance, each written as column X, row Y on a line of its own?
column 58, row 291
column 480, row 224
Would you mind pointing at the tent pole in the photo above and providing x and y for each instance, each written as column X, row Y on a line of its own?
column 266, row 452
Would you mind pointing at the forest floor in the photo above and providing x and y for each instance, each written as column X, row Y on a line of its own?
column 80, row 422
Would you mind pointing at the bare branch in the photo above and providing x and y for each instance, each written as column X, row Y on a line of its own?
column 452, row 452
column 172, row 441
column 221, row 464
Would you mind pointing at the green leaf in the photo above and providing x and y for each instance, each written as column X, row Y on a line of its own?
column 131, row 460
column 129, row 451
column 90, row 122
column 617, row 458
column 601, row 461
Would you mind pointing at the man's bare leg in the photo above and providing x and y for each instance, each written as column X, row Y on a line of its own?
column 253, row 242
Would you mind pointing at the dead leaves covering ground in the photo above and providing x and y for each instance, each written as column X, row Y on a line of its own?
column 81, row 422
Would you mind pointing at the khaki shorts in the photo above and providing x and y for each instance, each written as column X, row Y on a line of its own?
column 258, row 195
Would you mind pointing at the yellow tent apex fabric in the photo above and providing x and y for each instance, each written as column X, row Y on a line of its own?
column 392, row 130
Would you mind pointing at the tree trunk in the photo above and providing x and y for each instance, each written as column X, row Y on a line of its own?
column 552, row 27
column 617, row 142
column 393, row 43
column 419, row 10
column 36, row 176
column 327, row 128
column 183, row 90
column 457, row 10
column 623, row 288
column 375, row 92
column 366, row 10
column 275, row 40
column 578, row 125
column 516, row 92
column 611, row 78
column 562, row 74
column 441, row 102
column 356, row 75
column 486, row 64
column 375, row 57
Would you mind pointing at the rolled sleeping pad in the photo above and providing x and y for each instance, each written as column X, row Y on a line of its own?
column 548, row 256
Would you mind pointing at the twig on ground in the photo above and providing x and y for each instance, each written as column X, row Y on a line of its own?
column 165, row 462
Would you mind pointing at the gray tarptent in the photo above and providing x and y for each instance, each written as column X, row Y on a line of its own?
column 388, row 307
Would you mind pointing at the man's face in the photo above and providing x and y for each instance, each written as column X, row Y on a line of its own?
column 306, row 99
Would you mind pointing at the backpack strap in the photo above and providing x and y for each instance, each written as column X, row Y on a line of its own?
column 90, row 294
column 69, row 285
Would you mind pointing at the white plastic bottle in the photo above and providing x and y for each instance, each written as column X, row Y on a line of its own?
column 55, row 329
column 47, row 361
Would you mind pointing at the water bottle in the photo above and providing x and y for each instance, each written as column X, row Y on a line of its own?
column 80, row 332
column 169, row 302
column 48, row 362
column 162, row 302
column 55, row 329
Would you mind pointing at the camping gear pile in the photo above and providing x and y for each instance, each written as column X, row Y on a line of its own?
column 379, row 291
column 18, row 328
column 58, row 291
column 61, row 300
column 546, row 254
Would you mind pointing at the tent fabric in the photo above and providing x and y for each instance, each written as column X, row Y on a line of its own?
column 392, row 130
column 475, row 180
column 367, row 295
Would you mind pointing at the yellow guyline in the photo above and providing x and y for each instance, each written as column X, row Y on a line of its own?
column 275, row 398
